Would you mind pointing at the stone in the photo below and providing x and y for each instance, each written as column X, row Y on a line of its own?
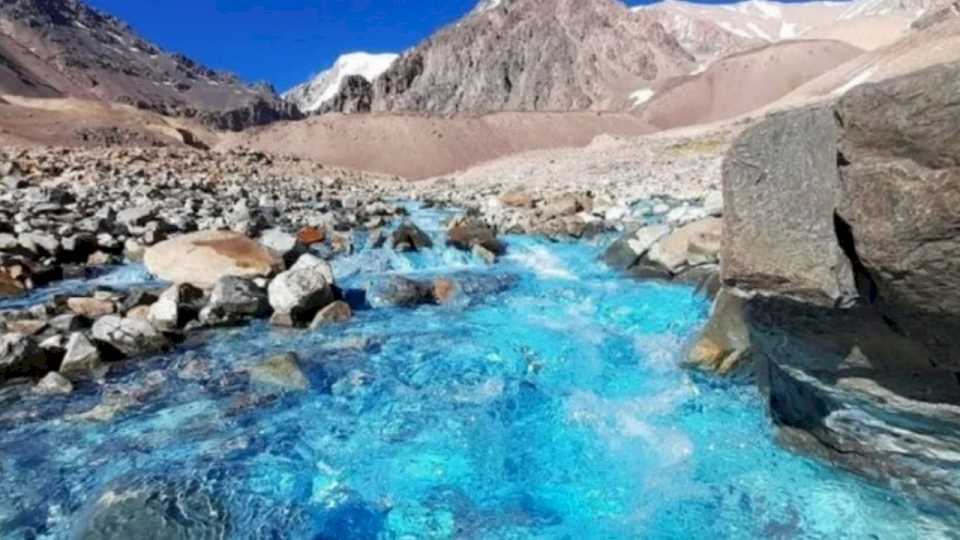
column 9, row 286
column 137, row 216
column 202, row 258
column 398, row 291
column 713, row 203
column 234, row 299
column 337, row 312
column 444, row 290
column 91, row 308
column 565, row 205
column 484, row 254
column 82, row 359
column 44, row 244
column 316, row 264
column 467, row 232
column 53, row 384
column 287, row 246
column 774, row 242
column 694, row 244
column 178, row 305
column 300, row 292
column 133, row 250
column 26, row 327
column 66, row 322
column 409, row 237
column 280, row 371
column 723, row 347
column 21, row 356
column 154, row 508
column 309, row 236
column 130, row 337
column 626, row 251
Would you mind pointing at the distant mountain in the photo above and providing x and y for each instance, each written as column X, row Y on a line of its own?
column 312, row 95
column 66, row 48
column 529, row 55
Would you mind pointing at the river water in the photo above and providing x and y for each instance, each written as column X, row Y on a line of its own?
column 548, row 405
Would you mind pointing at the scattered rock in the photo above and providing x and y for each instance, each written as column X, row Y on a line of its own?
column 176, row 307
column 234, row 299
column 91, row 308
column 21, row 356
column 82, row 359
column 52, row 384
column 467, row 232
column 723, row 347
column 409, row 237
column 300, row 293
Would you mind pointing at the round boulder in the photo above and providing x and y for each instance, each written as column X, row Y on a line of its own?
column 202, row 258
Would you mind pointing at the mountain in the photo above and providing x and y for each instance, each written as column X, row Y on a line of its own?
column 532, row 55
column 64, row 48
column 312, row 95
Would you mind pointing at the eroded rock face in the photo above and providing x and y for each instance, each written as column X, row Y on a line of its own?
column 843, row 235
column 202, row 258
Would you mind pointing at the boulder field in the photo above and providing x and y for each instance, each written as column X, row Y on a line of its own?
column 841, row 279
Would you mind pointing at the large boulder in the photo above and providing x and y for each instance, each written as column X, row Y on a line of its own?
column 202, row 258
column 82, row 359
column 130, row 337
column 842, row 235
column 467, row 232
column 409, row 237
column 232, row 300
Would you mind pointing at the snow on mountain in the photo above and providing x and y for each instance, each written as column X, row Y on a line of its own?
column 311, row 95
column 486, row 5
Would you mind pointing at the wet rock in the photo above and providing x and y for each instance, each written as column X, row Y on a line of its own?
column 467, row 232
column 484, row 254
column 692, row 245
column 281, row 371
column 9, row 286
column 202, row 258
column 21, row 356
column 409, row 237
column 234, row 299
column 176, row 307
column 625, row 253
column 53, row 384
column 131, row 337
column 398, row 291
column 89, row 307
column 155, row 508
column 337, row 312
column 723, row 347
column 301, row 292
column 309, row 236
column 137, row 216
column 82, row 359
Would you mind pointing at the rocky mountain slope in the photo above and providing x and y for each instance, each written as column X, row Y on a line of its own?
column 313, row 94
column 65, row 48
column 533, row 55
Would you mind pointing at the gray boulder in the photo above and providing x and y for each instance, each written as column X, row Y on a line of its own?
column 234, row 299
column 299, row 293
column 178, row 305
column 82, row 359
column 52, row 384
column 130, row 337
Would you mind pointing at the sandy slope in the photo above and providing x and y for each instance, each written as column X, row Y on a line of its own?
column 75, row 122
column 419, row 146
column 744, row 82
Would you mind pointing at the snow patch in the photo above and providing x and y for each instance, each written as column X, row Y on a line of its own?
column 758, row 31
column 788, row 30
column 641, row 96
column 311, row 95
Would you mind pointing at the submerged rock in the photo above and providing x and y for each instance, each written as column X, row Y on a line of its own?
column 398, row 291
column 155, row 509
column 337, row 312
column 202, row 258
column 281, row 371
column 723, row 347
column 409, row 237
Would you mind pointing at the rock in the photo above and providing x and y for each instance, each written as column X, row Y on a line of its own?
column 133, row 250
column 202, row 258
column 781, row 188
column 26, row 327
column 444, row 290
column 301, row 292
column 626, row 252
column 91, row 308
column 137, row 216
column 176, row 307
column 232, row 300
column 52, row 384
column 398, row 291
column 9, row 286
column 155, row 508
column 316, row 264
column 409, row 237
column 21, row 356
column 723, row 347
column 467, row 232
column 713, row 203
column 283, row 244
column 82, row 359
column 131, row 337
column 39, row 243
column 309, row 236
column 694, row 244
column 517, row 199
column 281, row 371
column 565, row 205
column 337, row 312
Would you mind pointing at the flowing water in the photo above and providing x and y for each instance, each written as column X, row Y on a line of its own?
column 550, row 406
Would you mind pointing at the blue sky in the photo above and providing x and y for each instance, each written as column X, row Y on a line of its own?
column 285, row 41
